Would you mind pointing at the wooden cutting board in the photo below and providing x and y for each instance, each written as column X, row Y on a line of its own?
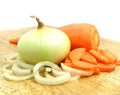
column 102, row 84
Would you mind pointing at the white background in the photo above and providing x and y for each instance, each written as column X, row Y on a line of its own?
column 104, row 14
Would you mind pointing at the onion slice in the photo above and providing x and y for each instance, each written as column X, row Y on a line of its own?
column 45, row 63
column 74, row 78
column 47, row 75
column 52, row 81
column 74, row 71
column 49, row 81
column 47, row 70
column 10, row 58
column 17, row 78
column 57, row 73
column 20, row 71
column 5, row 70
column 22, row 64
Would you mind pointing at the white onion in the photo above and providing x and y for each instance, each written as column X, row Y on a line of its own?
column 17, row 78
column 74, row 71
column 45, row 43
column 20, row 71
column 49, row 81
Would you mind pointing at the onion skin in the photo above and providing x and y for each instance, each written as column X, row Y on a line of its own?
column 44, row 44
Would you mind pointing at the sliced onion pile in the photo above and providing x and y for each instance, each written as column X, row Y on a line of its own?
column 15, row 72
column 46, row 73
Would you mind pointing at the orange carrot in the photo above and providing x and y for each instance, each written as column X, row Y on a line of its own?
column 69, row 64
column 117, row 62
column 14, row 40
column 89, row 58
column 67, row 60
column 82, row 65
column 100, row 57
column 81, row 59
column 112, row 58
column 77, row 53
column 82, row 35
column 106, row 67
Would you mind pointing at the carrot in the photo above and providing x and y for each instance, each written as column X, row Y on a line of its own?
column 74, row 60
column 102, row 60
column 70, row 64
column 117, row 62
column 89, row 58
column 100, row 57
column 77, row 53
column 106, row 67
column 97, row 71
column 109, row 55
column 82, row 35
column 67, row 60
column 82, row 65
column 14, row 40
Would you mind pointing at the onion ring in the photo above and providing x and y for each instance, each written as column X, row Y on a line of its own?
column 20, row 71
column 5, row 70
column 47, row 75
column 74, row 78
column 74, row 71
column 52, row 81
column 17, row 78
column 45, row 63
column 22, row 64
column 49, row 81
column 57, row 73
column 48, row 69
column 10, row 58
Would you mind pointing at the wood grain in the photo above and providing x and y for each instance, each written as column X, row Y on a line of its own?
column 102, row 84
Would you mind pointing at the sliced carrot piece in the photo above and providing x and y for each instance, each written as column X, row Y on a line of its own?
column 82, row 65
column 106, row 67
column 100, row 51
column 67, row 60
column 97, row 71
column 68, row 64
column 77, row 53
column 14, row 40
column 87, row 57
column 117, row 62
column 100, row 58
column 110, row 55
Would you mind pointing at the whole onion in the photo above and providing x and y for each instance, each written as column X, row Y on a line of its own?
column 45, row 43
